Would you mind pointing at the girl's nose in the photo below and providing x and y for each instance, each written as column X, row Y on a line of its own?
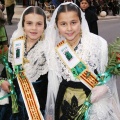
column 69, row 27
column 33, row 26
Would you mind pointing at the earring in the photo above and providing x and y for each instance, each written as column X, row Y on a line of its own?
column 25, row 36
column 80, row 32
column 42, row 36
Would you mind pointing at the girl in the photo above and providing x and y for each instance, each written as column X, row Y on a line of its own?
column 27, row 42
column 90, row 16
column 75, row 57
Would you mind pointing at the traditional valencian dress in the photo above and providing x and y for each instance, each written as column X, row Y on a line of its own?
column 36, row 71
column 73, row 73
column 72, row 92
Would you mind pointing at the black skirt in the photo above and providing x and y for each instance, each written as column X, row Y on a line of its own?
column 71, row 96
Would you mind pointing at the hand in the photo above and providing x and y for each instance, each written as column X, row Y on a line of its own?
column 98, row 92
column 6, row 86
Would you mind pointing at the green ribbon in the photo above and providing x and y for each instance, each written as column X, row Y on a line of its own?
column 105, row 77
column 83, row 111
column 14, row 98
column 10, row 77
column 18, row 68
column 5, row 96
column 88, row 104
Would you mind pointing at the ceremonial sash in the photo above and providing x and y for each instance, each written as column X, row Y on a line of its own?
column 27, row 90
column 78, row 68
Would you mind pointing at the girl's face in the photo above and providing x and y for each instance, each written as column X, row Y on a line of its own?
column 69, row 25
column 33, row 26
column 84, row 5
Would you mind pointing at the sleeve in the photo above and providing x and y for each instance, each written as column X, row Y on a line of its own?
column 111, row 84
column 3, row 34
column 108, row 107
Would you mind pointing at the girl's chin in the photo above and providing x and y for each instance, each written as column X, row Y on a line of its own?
column 35, row 39
column 69, row 39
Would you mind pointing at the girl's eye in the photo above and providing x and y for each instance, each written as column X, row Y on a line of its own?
column 73, row 22
column 29, row 23
column 63, row 24
column 39, row 23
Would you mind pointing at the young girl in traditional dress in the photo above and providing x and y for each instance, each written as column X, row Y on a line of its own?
column 26, row 52
column 75, row 57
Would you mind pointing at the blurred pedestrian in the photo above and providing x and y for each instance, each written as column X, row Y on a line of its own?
column 90, row 16
column 10, row 5
column 32, row 2
column 2, row 5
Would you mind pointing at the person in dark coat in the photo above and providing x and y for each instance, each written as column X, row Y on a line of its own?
column 10, row 6
column 2, row 5
column 90, row 16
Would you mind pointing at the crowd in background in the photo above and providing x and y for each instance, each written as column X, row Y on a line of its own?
column 110, row 6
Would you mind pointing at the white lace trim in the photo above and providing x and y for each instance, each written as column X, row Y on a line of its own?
column 104, row 109
column 89, row 52
column 37, row 65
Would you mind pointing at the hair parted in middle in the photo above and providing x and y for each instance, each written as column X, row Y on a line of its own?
column 67, row 8
column 36, row 10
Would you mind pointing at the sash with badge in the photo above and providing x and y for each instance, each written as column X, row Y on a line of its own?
column 27, row 90
column 79, row 70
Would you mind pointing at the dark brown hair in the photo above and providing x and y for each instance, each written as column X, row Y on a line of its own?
column 88, row 1
column 68, row 7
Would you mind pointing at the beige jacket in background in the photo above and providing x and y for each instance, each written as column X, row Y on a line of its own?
column 9, row 2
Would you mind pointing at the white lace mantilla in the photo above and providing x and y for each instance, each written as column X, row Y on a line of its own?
column 89, row 52
column 37, row 65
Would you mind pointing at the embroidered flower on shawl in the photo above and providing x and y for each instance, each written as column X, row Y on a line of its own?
column 69, row 110
column 38, row 65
